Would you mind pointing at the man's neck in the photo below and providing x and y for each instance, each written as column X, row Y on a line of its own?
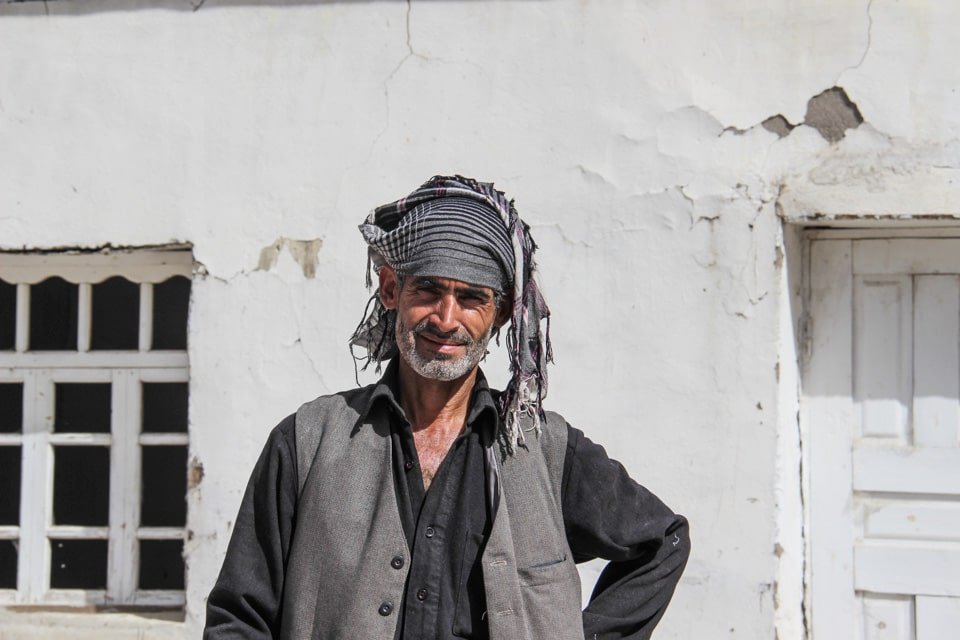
column 435, row 404
column 437, row 411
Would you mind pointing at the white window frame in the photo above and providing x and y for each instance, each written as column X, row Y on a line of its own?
column 126, row 371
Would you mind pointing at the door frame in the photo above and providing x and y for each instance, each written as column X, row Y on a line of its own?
column 824, row 338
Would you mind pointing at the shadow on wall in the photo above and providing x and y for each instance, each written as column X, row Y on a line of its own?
column 28, row 8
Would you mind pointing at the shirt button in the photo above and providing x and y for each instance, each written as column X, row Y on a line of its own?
column 429, row 532
column 408, row 465
column 397, row 562
column 422, row 595
column 385, row 609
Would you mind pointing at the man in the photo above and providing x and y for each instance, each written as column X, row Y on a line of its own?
column 428, row 506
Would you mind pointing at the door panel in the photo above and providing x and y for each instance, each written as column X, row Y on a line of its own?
column 885, row 464
column 882, row 338
column 936, row 614
column 907, row 567
column 936, row 354
column 915, row 519
column 887, row 618
column 906, row 469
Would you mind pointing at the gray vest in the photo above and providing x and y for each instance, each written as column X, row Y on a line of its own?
column 340, row 581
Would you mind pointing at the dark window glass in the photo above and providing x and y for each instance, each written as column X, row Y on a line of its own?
column 165, row 407
column 10, row 485
column 82, row 407
column 164, row 487
column 8, row 315
column 53, row 315
column 161, row 564
column 81, row 485
column 171, row 300
column 78, row 564
column 11, row 407
column 115, row 321
column 8, row 564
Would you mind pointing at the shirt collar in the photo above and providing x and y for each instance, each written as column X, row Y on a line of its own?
column 386, row 393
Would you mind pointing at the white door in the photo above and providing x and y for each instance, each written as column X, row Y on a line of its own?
column 881, row 420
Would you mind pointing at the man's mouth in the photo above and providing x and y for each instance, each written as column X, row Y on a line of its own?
column 441, row 343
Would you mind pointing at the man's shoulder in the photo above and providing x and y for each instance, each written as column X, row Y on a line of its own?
column 339, row 405
column 555, row 421
column 319, row 416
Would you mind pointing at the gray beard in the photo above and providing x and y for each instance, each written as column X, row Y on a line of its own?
column 441, row 367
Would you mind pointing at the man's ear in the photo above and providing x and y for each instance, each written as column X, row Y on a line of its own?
column 389, row 287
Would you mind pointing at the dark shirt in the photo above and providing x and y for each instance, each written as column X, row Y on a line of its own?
column 446, row 525
column 605, row 513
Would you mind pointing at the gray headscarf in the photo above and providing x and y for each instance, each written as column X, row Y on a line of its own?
column 458, row 228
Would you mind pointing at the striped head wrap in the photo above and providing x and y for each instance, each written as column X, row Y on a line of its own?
column 458, row 228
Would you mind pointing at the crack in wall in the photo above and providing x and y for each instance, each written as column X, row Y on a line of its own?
column 567, row 240
column 411, row 53
column 407, row 22
column 866, row 48
column 299, row 342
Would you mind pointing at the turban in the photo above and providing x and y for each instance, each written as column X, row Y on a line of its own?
column 458, row 228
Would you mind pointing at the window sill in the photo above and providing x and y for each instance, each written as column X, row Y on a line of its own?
column 90, row 623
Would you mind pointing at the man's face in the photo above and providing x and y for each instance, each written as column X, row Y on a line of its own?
column 443, row 325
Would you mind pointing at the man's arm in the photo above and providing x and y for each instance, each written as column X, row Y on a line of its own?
column 245, row 602
column 608, row 515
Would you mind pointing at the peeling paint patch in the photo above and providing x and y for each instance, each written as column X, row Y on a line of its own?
column 832, row 113
column 593, row 177
column 195, row 474
column 778, row 125
column 303, row 252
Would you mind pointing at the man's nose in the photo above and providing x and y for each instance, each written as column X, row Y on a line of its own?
column 445, row 314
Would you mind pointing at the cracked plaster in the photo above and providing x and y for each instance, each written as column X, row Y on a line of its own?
column 651, row 151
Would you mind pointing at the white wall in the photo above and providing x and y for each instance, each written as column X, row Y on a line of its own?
column 628, row 134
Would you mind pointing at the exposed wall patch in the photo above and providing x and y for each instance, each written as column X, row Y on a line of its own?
column 778, row 125
column 303, row 252
column 832, row 113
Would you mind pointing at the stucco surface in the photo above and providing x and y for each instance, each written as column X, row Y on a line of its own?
column 628, row 133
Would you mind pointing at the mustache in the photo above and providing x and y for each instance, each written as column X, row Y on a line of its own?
column 459, row 336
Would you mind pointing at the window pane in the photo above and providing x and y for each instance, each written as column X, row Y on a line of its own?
column 8, row 315
column 171, row 300
column 53, row 315
column 10, row 485
column 161, row 564
column 8, row 564
column 164, row 487
column 165, row 407
column 78, row 564
column 115, row 314
column 82, row 407
column 11, row 407
column 81, row 485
